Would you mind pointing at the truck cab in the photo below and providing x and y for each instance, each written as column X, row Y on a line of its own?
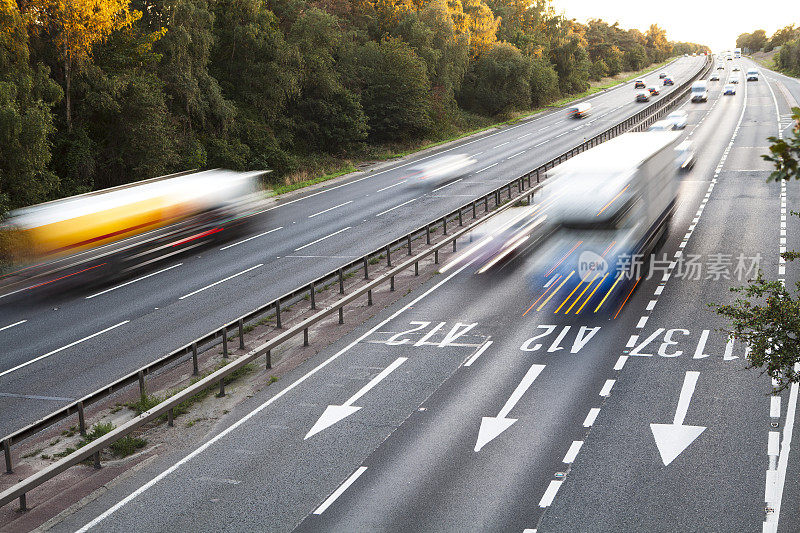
column 700, row 91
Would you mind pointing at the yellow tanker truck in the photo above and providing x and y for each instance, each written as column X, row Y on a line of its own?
column 103, row 234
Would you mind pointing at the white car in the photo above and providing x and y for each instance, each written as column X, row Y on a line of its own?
column 685, row 155
column 729, row 89
column 678, row 119
column 733, row 80
column 662, row 125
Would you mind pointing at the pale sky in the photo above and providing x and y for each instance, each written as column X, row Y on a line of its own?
column 714, row 23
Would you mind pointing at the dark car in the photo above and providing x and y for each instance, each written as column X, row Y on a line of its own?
column 668, row 81
column 640, row 84
column 642, row 96
column 653, row 90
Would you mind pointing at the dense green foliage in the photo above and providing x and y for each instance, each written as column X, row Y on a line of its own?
column 151, row 87
column 786, row 40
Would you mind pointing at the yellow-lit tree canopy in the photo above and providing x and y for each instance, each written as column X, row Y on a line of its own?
column 301, row 87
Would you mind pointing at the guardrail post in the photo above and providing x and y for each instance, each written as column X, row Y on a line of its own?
column 269, row 359
column 81, row 420
column 341, row 281
column 241, row 334
column 195, row 369
column 305, row 337
column 389, row 255
column 369, row 297
column 170, row 418
column 224, row 342
column 221, row 388
column 391, row 284
column 436, row 256
column 97, row 459
column 428, row 234
column 416, row 268
column 341, row 315
column 366, row 268
column 460, row 216
column 454, row 245
column 474, row 214
column 497, row 198
column 23, row 502
column 409, row 245
column 278, row 314
column 444, row 225
column 486, row 204
column 142, row 390
column 313, row 297
column 7, row 453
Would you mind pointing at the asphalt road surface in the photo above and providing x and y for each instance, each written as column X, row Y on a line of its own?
column 105, row 333
column 509, row 400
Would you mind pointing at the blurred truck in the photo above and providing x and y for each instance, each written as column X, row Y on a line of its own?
column 615, row 200
column 109, row 233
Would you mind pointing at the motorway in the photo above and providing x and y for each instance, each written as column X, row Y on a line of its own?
column 478, row 403
column 105, row 333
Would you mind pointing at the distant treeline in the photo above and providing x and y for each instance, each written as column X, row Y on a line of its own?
column 787, row 38
column 96, row 93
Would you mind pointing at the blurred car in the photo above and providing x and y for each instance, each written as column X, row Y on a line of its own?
column 643, row 96
column 720, row 67
column 685, row 156
column 729, row 89
column 668, row 81
column 662, row 75
column 580, row 110
column 639, row 84
column 441, row 168
column 713, row 77
column 736, row 69
column 662, row 125
column 678, row 119
column 733, row 80
column 653, row 91
column 730, row 58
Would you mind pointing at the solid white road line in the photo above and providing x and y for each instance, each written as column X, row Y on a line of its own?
column 550, row 493
column 264, row 405
column 478, row 353
column 133, row 281
column 396, row 207
column 330, row 209
column 572, row 453
column 390, row 186
column 338, row 492
column 323, row 238
column 250, row 238
column 12, row 325
column 70, row 345
column 221, row 281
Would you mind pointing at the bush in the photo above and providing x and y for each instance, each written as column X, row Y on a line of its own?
column 498, row 81
column 544, row 83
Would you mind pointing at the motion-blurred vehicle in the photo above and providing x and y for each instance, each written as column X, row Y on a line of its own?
column 700, row 91
column 678, row 119
column 610, row 202
column 652, row 90
column 685, row 156
column 643, row 96
column 668, row 81
column 752, row 74
column 730, row 58
column 442, row 168
column 579, row 110
column 733, row 80
column 639, row 84
column 662, row 75
column 729, row 89
column 662, row 125
column 101, row 235
column 736, row 68
column 713, row 77
column 720, row 67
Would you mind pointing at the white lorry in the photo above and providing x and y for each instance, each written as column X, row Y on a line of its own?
column 700, row 91
column 612, row 201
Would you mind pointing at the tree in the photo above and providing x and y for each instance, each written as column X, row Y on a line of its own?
column 782, row 36
column 27, row 95
column 544, row 83
column 75, row 26
column 767, row 315
column 498, row 82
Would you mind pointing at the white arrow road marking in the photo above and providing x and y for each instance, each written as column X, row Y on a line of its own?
column 335, row 413
column 492, row 426
column 672, row 439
